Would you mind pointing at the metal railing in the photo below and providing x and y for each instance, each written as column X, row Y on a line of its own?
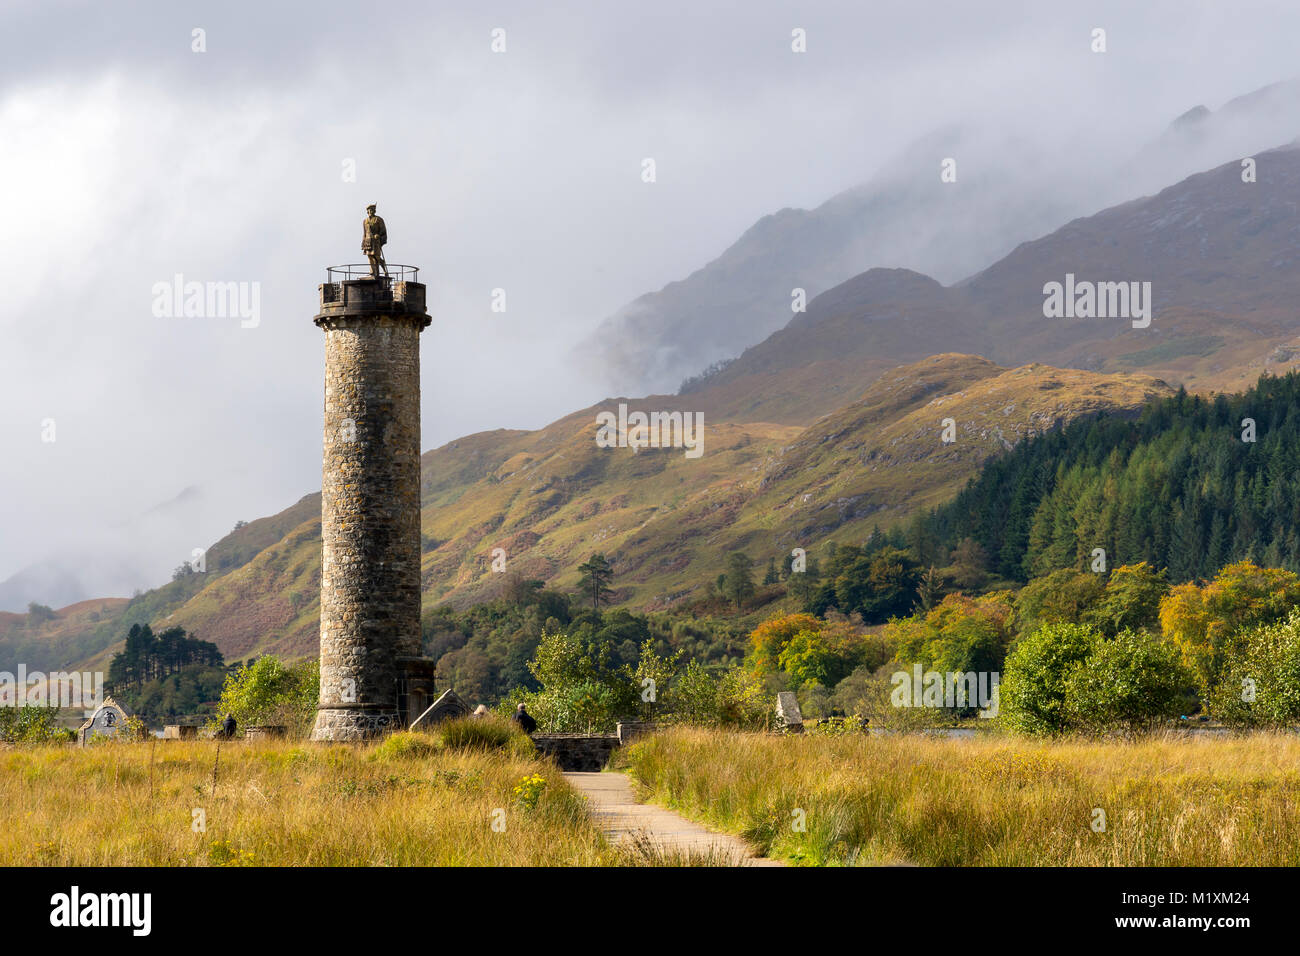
column 361, row 270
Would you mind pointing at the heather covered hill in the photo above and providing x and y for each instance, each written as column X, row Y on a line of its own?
column 883, row 457
column 552, row 497
column 45, row 638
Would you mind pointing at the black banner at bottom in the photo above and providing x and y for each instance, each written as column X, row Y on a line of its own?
column 144, row 906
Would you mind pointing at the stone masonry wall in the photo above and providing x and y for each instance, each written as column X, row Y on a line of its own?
column 370, row 511
column 577, row 751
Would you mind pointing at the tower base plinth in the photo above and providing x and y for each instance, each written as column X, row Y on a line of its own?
column 351, row 723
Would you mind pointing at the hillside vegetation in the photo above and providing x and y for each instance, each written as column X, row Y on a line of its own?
column 551, row 498
column 1191, row 485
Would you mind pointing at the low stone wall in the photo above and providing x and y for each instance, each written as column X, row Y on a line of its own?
column 629, row 730
column 588, row 752
column 266, row 732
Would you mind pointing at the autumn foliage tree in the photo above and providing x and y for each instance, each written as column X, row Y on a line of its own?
column 807, row 650
column 1203, row 621
column 959, row 634
column 770, row 638
column 1131, row 599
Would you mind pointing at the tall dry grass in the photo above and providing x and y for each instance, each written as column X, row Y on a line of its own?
column 986, row 802
column 409, row 801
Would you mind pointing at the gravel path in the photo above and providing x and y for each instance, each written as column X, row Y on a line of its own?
column 613, row 806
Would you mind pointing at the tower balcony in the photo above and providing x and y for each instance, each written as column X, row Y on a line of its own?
column 351, row 290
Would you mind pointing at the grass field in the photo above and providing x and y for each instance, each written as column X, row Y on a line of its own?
column 401, row 803
column 985, row 802
column 414, row 800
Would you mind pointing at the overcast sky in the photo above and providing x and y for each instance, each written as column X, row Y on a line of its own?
column 126, row 158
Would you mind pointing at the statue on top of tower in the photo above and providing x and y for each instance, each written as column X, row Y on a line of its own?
column 373, row 237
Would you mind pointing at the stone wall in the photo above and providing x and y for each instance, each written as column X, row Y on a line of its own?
column 577, row 751
column 265, row 732
column 629, row 730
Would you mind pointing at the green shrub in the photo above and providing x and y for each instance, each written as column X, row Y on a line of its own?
column 1131, row 682
column 868, row 694
column 270, row 692
column 694, row 697
column 1031, row 696
column 32, row 724
column 484, row 733
column 405, row 744
column 743, row 701
column 584, row 707
column 1260, row 684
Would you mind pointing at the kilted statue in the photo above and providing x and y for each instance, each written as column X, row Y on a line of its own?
column 373, row 237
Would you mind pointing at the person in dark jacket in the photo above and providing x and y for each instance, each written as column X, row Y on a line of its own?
column 227, row 730
column 524, row 719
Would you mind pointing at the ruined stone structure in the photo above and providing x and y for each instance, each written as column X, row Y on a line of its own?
column 372, row 676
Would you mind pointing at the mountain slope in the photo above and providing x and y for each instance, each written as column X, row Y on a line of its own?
column 552, row 497
column 1222, row 257
column 905, row 217
column 902, row 217
column 86, row 632
column 1184, row 487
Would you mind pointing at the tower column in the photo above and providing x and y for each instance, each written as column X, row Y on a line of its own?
column 370, row 507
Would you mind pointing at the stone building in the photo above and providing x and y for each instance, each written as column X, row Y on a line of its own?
column 373, row 678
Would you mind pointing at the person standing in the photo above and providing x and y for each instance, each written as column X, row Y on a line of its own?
column 524, row 719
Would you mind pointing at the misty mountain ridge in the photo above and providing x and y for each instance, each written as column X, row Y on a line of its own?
column 905, row 217
column 1222, row 257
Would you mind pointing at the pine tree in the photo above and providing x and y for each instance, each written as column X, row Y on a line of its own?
column 596, row 573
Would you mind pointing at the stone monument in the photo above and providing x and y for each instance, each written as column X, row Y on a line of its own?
column 373, row 678
column 789, row 719
column 109, row 719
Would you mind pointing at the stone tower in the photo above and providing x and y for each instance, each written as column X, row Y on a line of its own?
column 372, row 676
